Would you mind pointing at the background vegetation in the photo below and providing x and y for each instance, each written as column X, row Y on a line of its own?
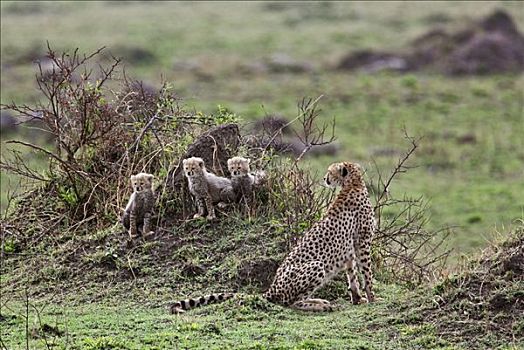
column 469, row 165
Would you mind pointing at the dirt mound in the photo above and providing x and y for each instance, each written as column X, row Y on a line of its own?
column 492, row 45
column 215, row 147
column 487, row 53
column 272, row 124
column 8, row 122
column 276, row 133
column 257, row 273
column 499, row 21
column 488, row 299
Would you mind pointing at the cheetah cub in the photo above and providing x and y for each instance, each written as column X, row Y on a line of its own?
column 242, row 180
column 140, row 205
column 206, row 187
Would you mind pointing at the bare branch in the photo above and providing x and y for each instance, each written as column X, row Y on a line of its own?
column 399, row 169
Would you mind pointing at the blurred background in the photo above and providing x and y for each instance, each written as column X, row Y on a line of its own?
column 448, row 72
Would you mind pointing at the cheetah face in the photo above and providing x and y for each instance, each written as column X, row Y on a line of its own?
column 142, row 182
column 238, row 166
column 193, row 166
column 339, row 173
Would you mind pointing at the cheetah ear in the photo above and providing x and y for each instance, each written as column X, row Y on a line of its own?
column 344, row 171
column 150, row 177
column 201, row 163
column 248, row 160
column 184, row 162
column 229, row 161
column 133, row 177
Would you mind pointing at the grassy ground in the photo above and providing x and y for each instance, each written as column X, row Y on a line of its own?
column 254, row 325
column 469, row 163
column 468, row 311
column 448, row 316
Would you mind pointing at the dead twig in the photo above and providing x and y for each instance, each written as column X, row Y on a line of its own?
column 405, row 247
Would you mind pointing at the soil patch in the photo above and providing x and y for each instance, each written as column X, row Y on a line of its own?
column 487, row 300
column 490, row 46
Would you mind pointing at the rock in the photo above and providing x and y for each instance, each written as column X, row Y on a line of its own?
column 8, row 123
column 290, row 146
column 296, row 147
column 257, row 143
column 215, row 147
column 145, row 96
column 48, row 68
column 500, row 21
column 135, row 54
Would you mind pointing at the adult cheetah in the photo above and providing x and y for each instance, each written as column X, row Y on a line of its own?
column 341, row 241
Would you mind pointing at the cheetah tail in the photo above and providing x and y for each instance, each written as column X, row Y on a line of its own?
column 188, row 304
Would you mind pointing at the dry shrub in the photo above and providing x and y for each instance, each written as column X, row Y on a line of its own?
column 405, row 249
column 106, row 127
column 293, row 200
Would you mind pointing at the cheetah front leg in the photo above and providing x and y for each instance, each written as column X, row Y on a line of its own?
column 364, row 264
column 227, row 195
column 210, row 209
column 353, row 285
column 146, row 229
column 132, row 225
column 201, row 204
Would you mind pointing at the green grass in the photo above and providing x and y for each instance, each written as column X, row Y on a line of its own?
column 399, row 320
column 255, row 324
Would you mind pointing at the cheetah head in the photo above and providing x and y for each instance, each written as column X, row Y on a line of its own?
column 142, row 182
column 340, row 173
column 238, row 166
column 193, row 166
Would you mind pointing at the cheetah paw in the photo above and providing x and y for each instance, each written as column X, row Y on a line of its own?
column 363, row 300
column 149, row 234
